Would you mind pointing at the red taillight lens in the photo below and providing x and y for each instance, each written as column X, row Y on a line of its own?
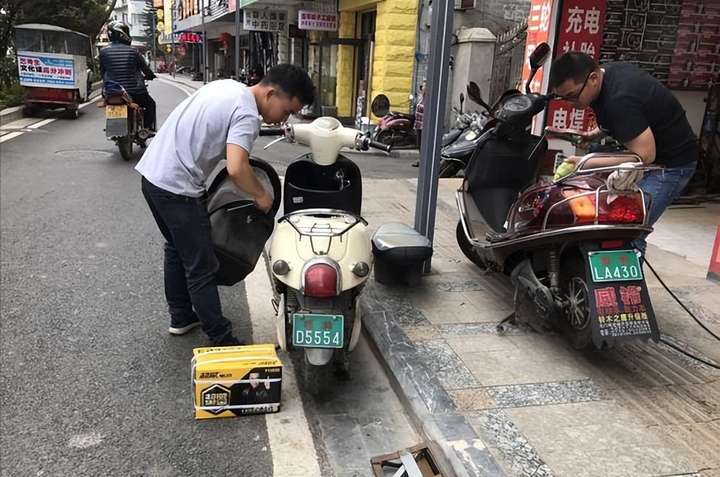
column 580, row 209
column 627, row 209
column 321, row 281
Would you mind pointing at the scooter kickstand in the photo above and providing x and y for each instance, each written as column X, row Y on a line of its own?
column 502, row 327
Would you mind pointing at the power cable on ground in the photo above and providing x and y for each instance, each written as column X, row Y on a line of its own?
column 692, row 315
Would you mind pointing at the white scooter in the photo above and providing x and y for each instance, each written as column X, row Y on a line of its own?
column 320, row 254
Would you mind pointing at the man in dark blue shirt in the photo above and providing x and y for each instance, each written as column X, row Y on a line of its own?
column 124, row 65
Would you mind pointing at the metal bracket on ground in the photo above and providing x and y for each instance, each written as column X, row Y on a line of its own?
column 416, row 461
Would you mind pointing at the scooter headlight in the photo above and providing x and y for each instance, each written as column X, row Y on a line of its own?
column 280, row 267
column 361, row 269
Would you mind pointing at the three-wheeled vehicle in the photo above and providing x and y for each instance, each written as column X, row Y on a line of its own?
column 53, row 66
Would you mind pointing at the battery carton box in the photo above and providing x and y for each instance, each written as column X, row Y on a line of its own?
column 235, row 380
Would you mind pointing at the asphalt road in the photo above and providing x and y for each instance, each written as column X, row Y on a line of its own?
column 90, row 381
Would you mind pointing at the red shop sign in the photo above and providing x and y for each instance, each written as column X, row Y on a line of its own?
column 580, row 29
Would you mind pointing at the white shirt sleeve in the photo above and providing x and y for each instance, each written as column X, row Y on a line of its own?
column 244, row 129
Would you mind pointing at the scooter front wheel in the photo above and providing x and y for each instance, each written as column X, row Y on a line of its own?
column 449, row 168
column 125, row 145
column 466, row 247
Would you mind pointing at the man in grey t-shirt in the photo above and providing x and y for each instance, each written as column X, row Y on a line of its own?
column 221, row 120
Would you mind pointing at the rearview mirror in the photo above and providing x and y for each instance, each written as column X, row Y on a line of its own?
column 380, row 106
column 473, row 91
column 539, row 55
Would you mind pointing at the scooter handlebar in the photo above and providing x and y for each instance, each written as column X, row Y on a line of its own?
column 379, row 145
column 272, row 131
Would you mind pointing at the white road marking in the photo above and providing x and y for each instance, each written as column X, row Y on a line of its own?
column 7, row 137
column 291, row 442
column 179, row 86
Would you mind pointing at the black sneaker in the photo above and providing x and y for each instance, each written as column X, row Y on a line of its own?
column 230, row 340
column 181, row 329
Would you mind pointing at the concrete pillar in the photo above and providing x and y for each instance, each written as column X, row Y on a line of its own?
column 474, row 54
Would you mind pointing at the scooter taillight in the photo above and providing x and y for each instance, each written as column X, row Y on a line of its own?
column 581, row 208
column 321, row 281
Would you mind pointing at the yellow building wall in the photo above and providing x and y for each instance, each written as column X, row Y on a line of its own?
column 394, row 52
column 345, row 68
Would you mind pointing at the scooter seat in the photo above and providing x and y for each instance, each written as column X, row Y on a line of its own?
column 400, row 252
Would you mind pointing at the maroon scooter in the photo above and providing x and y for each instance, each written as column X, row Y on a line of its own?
column 567, row 249
column 394, row 129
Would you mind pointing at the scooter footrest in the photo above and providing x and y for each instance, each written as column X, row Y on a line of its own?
column 494, row 237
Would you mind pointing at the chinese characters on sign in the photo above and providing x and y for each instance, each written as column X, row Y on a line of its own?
column 309, row 20
column 37, row 70
column 580, row 29
column 643, row 33
column 264, row 20
column 538, row 31
column 696, row 62
column 626, row 317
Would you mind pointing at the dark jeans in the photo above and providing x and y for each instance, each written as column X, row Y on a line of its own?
column 148, row 105
column 190, row 261
column 663, row 187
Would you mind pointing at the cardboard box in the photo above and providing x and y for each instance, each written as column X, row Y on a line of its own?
column 235, row 380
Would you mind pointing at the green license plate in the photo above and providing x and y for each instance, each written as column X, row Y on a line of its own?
column 318, row 331
column 615, row 266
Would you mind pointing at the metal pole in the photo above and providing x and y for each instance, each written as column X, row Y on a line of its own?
column 154, row 39
column 204, row 43
column 435, row 99
column 237, row 40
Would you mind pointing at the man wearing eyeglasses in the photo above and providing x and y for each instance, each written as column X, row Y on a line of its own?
column 637, row 110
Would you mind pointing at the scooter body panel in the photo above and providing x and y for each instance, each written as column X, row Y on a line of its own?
column 297, row 250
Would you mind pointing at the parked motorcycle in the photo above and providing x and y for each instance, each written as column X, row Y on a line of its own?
column 395, row 129
column 320, row 255
column 566, row 246
column 124, row 122
column 458, row 144
column 458, row 147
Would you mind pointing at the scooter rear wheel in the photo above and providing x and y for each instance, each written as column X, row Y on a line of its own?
column 466, row 247
column 577, row 324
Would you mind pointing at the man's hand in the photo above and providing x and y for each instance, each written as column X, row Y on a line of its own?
column 264, row 202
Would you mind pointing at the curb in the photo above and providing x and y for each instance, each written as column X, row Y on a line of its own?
column 430, row 408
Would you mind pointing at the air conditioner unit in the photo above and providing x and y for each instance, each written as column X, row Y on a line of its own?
column 465, row 4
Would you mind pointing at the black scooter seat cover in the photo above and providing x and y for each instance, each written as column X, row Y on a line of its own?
column 400, row 243
column 239, row 230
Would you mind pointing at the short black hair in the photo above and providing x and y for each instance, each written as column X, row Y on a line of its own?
column 291, row 80
column 572, row 65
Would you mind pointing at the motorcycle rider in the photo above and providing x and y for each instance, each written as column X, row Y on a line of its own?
column 123, row 64
column 221, row 120
column 637, row 110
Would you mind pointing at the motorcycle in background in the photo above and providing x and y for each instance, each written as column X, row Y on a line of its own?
column 566, row 244
column 394, row 129
column 124, row 123
column 320, row 255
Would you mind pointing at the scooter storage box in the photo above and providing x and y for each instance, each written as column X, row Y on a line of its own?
column 310, row 186
column 238, row 228
column 400, row 252
column 235, row 380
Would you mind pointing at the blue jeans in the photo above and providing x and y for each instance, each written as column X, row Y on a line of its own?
column 663, row 187
column 190, row 261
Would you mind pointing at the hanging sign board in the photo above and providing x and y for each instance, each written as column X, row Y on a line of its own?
column 265, row 19
column 309, row 20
